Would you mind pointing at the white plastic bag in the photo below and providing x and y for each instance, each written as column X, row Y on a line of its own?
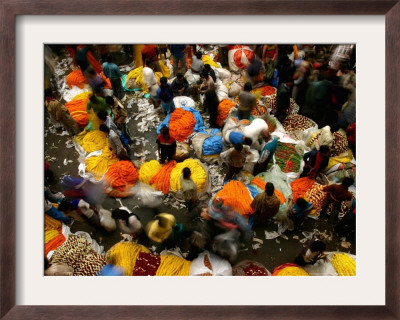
column 219, row 266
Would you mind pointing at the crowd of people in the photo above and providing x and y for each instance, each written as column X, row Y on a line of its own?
column 319, row 79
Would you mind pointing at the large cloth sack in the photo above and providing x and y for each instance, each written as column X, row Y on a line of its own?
column 240, row 57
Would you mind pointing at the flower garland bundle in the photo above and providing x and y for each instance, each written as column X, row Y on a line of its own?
column 51, row 223
column 121, row 175
column 250, row 268
column 93, row 62
column 264, row 91
column 83, row 95
column 237, row 196
column 148, row 170
column 106, row 80
column 124, row 255
column 259, row 110
column 162, row 177
column 76, row 78
column 223, row 110
column 261, row 184
column 340, row 144
column 94, row 140
column 146, row 264
column 53, row 244
column 271, row 103
column 316, row 196
column 296, row 122
column 344, row 264
column 287, row 157
column 291, row 272
column 300, row 187
column 77, row 110
column 181, row 124
column 173, row 266
column 50, row 234
column 198, row 175
column 99, row 165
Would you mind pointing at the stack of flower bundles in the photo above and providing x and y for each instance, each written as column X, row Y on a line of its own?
column 198, row 175
column 344, row 264
column 290, row 270
column 119, row 179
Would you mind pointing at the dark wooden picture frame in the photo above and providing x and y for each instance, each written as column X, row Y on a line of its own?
column 9, row 9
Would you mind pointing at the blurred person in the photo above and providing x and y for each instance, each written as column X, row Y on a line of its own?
column 351, row 138
column 127, row 221
column 284, row 65
column 97, row 104
column 265, row 206
column 114, row 142
column 211, row 103
column 266, row 154
column 152, row 85
column 120, row 116
column 301, row 83
column 80, row 211
column 50, row 210
column 247, row 101
column 105, row 119
column 283, row 96
column 311, row 253
column 298, row 212
column 207, row 84
column 166, row 95
column 59, row 114
column 96, row 82
column 336, row 193
column 189, row 188
column 197, row 64
column 180, row 86
column 81, row 59
column 315, row 161
column 150, row 57
column 166, row 146
column 111, row 71
column 161, row 228
column 210, row 72
column 178, row 57
column 235, row 158
column 255, row 73
column 347, row 225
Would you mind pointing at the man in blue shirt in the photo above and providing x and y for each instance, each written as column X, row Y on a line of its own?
column 178, row 55
column 165, row 94
column 266, row 153
column 112, row 72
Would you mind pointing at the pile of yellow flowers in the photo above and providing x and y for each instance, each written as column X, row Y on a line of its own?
column 344, row 264
column 199, row 176
column 99, row 165
column 293, row 272
column 94, row 140
column 83, row 95
column 148, row 170
column 173, row 266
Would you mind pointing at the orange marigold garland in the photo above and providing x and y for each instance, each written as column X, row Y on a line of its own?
column 237, row 196
column 162, row 177
column 121, row 175
column 181, row 124
column 300, row 187
column 223, row 110
column 77, row 110
column 76, row 78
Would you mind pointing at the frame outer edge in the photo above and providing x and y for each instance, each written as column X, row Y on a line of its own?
column 7, row 160
column 392, row 162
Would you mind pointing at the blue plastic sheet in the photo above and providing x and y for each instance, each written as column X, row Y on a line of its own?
column 212, row 145
column 253, row 190
column 123, row 80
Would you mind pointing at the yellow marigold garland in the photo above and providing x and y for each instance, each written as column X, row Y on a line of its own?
column 173, row 266
column 94, row 140
column 99, row 165
column 50, row 234
column 293, row 271
column 148, row 170
column 199, row 176
column 51, row 223
column 344, row 264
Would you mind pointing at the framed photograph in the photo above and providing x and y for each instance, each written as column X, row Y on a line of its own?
column 32, row 34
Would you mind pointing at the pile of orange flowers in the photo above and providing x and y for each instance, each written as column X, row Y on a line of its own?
column 76, row 78
column 300, row 187
column 121, row 175
column 235, row 195
column 264, row 91
column 223, row 110
column 261, row 184
column 181, row 124
column 77, row 110
column 162, row 178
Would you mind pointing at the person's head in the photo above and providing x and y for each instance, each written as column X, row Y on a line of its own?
column 93, row 98
column 165, row 221
column 238, row 147
column 265, row 134
column 301, row 203
column 91, row 71
column 247, row 141
column 164, row 81
column 324, row 150
column 247, row 86
column 269, row 188
column 179, row 76
column 65, row 206
column 207, row 67
column 120, row 214
column 199, row 55
column 347, row 182
column 109, row 58
column 102, row 115
column 165, row 132
column 186, row 172
column 317, row 246
column 104, row 128
column 110, row 100
column 204, row 74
